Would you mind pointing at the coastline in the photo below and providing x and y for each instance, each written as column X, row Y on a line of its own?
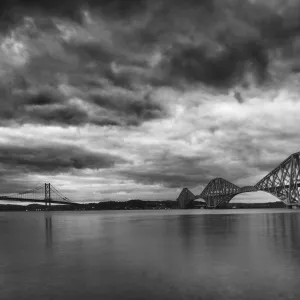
column 133, row 205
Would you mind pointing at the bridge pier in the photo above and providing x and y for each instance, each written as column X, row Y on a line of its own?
column 184, row 198
column 291, row 206
column 47, row 195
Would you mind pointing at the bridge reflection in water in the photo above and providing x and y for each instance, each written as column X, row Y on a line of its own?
column 283, row 182
column 48, row 231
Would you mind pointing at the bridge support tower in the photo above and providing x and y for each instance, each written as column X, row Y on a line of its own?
column 47, row 194
column 292, row 206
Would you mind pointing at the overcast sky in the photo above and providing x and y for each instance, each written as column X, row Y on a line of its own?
column 138, row 99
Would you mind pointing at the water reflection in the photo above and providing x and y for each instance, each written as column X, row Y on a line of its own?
column 188, row 227
column 283, row 235
column 48, row 231
column 124, row 255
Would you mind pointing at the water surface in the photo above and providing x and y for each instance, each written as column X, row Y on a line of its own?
column 198, row 254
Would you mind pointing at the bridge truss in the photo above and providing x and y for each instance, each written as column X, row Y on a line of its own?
column 45, row 193
column 283, row 182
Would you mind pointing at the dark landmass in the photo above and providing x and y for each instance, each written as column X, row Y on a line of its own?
column 133, row 205
column 108, row 205
column 277, row 204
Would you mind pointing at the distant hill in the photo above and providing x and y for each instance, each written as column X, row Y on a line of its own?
column 135, row 204
column 105, row 205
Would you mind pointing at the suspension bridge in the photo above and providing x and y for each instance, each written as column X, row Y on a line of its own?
column 45, row 193
column 282, row 182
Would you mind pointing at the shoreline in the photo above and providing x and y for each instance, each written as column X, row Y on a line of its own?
column 134, row 205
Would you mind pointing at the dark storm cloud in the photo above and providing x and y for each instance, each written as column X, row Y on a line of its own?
column 13, row 10
column 63, row 115
column 248, row 42
column 217, row 43
column 104, row 57
column 239, row 97
column 197, row 64
column 11, row 182
column 258, row 152
column 267, row 166
column 220, row 46
column 42, row 107
column 19, row 163
column 50, row 107
column 43, row 98
column 54, row 158
column 244, row 156
column 181, row 177
column 268, row 163
column 134, row 110
column 169, row 180
column 175, row 171
column 296, row 69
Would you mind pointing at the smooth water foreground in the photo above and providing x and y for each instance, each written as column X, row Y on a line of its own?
column 199, row 254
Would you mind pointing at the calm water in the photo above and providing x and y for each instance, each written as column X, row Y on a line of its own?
column 199, row 254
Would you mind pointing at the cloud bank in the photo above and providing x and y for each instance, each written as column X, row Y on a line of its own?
column 128, row 99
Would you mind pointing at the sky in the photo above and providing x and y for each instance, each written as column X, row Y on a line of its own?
column 136, row 99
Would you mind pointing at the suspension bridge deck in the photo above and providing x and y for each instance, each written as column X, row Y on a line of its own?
column 45, row 193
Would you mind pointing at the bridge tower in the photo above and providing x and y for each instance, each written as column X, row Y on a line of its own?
column 47, row 194
column 185, row 197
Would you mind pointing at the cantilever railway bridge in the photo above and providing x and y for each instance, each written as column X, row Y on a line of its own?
column 282, row 182
column 45, row 193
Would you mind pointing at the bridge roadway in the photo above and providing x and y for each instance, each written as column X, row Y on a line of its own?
column 280, row 187
column 254, row 190
column 6, row 198
column 246, row 189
